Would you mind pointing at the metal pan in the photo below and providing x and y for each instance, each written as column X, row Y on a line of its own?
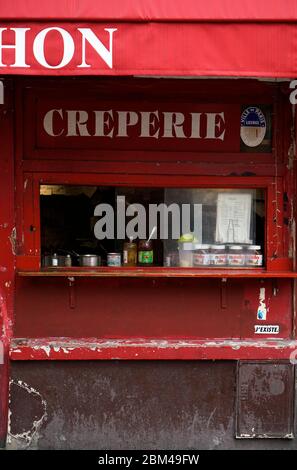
column 89, row 260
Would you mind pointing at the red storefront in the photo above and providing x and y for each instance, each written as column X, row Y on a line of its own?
column 149, row 105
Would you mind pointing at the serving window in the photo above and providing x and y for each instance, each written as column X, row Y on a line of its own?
column 134, row 226
column 173, row 292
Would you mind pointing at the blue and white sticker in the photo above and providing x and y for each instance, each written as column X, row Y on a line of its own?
column 252, row 126
column 262, row 308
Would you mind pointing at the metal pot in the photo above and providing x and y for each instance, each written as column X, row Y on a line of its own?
column 53, row 261
column 89, row 260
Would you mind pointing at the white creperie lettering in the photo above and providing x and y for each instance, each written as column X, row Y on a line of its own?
column 15, row 43
column 114, row 124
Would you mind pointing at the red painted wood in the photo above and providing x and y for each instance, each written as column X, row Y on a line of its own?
column 27, row 262
column 121, row 307
column 43, row 307
column 7, row 246
column 156, row 272
column 42, row 140
column 94, row 349
column 246, row 166
column 146, row 94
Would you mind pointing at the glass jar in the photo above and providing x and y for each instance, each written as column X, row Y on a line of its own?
column 236, row 256
column 145, row 253
column 130, row 254
column 201, row 255
column 253, row 257
column 114, row 259
column 172, row 259
column 218, row 255
column 68, row 260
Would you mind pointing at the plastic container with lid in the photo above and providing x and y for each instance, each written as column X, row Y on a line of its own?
column 236, row 256
column 254, row 257
column 185, row 250
column 218, row 255
column 201, row 255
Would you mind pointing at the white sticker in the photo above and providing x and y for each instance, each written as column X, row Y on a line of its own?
column 262, row 309
column 266, row 329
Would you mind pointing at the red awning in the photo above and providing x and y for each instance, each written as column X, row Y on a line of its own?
column 149, row 37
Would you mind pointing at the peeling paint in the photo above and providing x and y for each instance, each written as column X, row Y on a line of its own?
column 262, row 436
column 12, row 239
column 46, row 349
column 64, row 346
column 32, row 434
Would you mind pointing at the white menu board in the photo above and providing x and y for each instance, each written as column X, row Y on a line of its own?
column 233, row 223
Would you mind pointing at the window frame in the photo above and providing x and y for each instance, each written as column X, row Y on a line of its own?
column 30, row 250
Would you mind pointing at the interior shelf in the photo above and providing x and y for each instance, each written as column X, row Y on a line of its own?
column 158, row 272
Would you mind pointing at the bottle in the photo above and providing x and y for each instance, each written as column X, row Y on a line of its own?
column 230, row 232
column 145, row 253
column 130, row 253
column 68, row 260
column 55, row 260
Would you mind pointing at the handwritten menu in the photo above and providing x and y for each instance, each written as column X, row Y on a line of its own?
column 233, row 222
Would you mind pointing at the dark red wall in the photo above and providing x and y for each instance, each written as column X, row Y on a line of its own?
column 148, row 308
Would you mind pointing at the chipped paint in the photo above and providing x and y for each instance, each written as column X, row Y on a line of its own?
column 30, row 436
column 83, row 349
column 12, row 239
column 46, row 349
column 93, row 344
column 7, row 322
column 263, row 436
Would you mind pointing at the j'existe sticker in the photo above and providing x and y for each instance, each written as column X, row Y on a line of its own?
column 266, row 329
column 252, row 126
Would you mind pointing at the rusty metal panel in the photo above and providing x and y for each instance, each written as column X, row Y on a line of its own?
column 127, row 405
column 265, row 400
column 121, row 404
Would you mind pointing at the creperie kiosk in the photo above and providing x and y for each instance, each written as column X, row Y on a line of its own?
column 108, row 129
